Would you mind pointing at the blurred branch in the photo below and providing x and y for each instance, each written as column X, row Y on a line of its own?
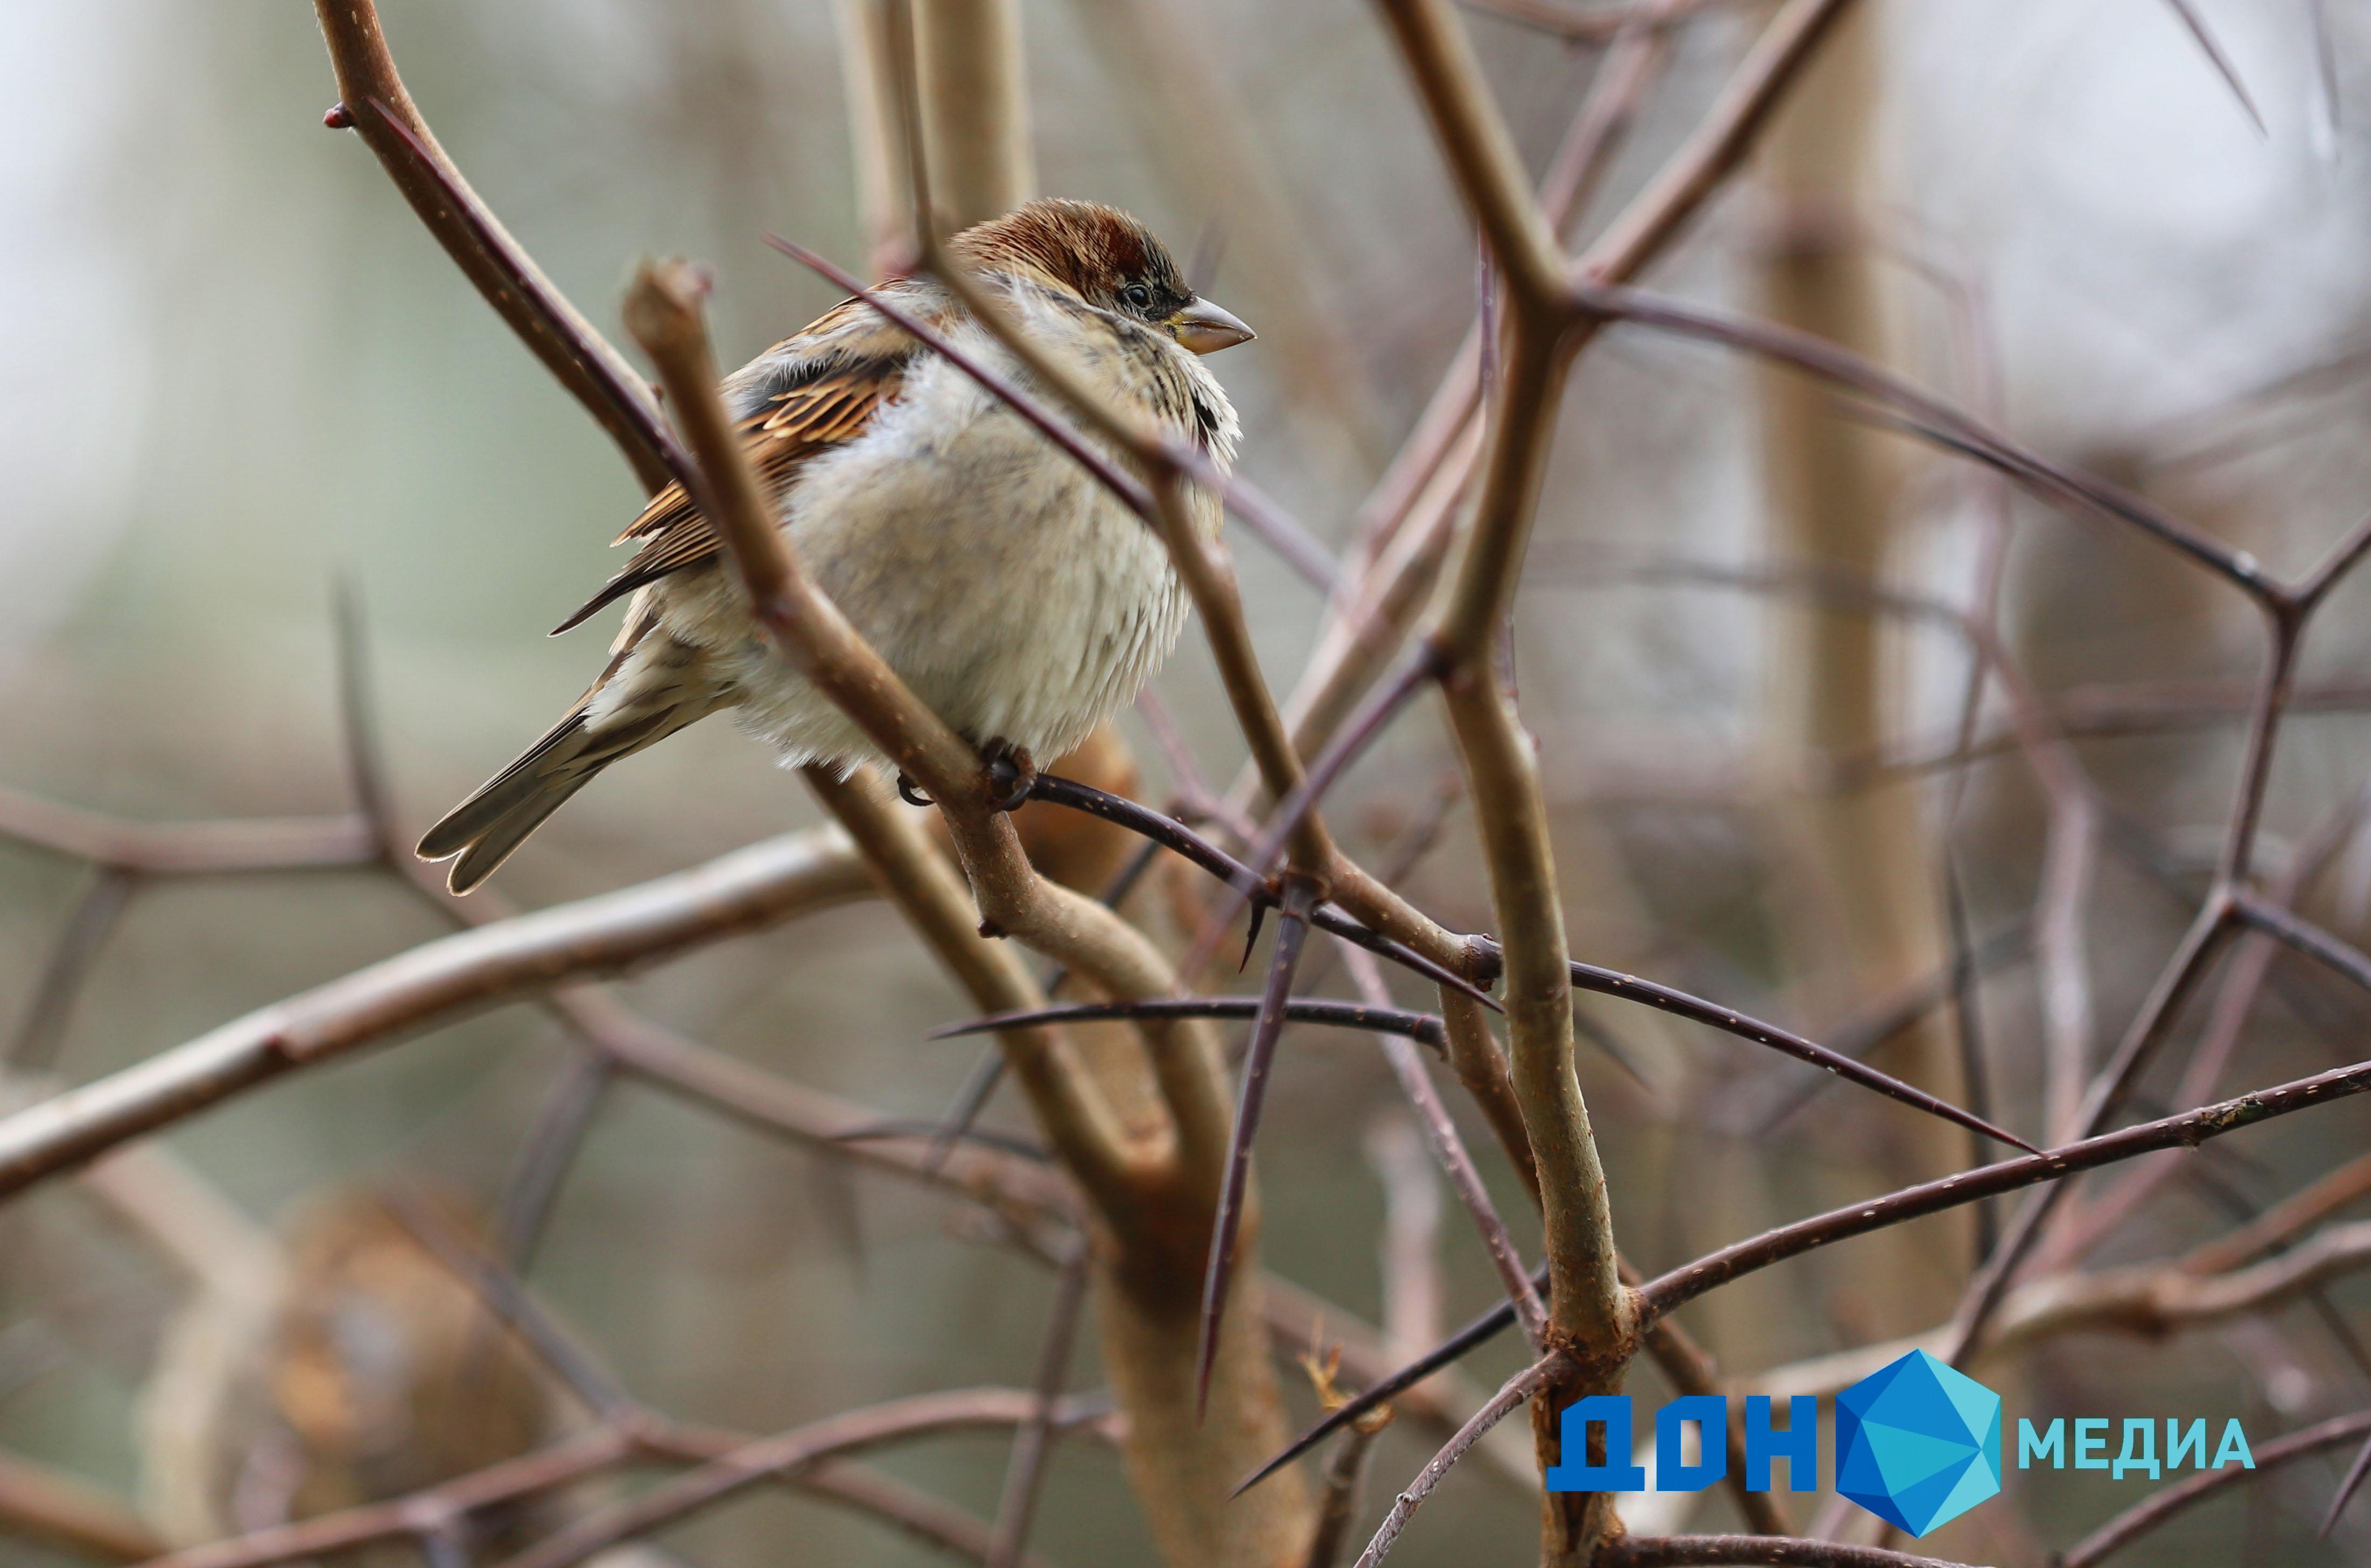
column 48, row 1505
column 1345, row 1473
column 1717, row 147
column 909, row 1508
column 1025, row 1471
column 436, row 983
column 186, row 848
column 2160, row 1506
column 975, row 109
column 2150, row 1301
column 1077, row 1117
column 788, row 1453
column 1682, row 1551
column 2188, row 1130
column 1592, row 23
column 586, row 1454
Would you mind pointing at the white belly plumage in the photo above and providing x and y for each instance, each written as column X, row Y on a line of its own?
column 1021, row 601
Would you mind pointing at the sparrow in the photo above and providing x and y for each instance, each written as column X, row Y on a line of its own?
column 1017, row 597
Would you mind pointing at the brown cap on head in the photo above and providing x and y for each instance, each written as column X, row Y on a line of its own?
column 1084, row 247
column 1105, row 257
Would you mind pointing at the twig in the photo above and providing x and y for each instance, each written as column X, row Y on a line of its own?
column 1447, row 1150
column 1298, row 1010
column 1682, row 1551
column 1259, row 1055
column 44, row 1505
column 2188, row 1130
column 434, row 984
column 187, row 849
column 1033, row 1439
column 2160, row 1506
column 787, row 1453
column 1480, row 1331
column 1510, row 1398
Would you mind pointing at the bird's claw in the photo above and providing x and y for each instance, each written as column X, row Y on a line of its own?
column 1011, row 775
column 909, row 794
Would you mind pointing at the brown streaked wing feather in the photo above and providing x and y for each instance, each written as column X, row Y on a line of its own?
column 833, row 408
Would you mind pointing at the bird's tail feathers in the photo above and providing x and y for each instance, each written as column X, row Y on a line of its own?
column 484, row 829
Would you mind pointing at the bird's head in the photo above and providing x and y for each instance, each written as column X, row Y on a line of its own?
column 1105, row 257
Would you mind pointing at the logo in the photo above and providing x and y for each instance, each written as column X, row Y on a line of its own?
column 1918, row 1442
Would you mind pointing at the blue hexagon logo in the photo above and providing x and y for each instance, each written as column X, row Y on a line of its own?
column 1918, row 1442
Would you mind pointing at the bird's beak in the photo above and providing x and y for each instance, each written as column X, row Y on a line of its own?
column 1203, row 329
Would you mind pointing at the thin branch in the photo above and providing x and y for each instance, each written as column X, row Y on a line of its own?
column 1512, row 1397
column 1447, row 1150
column 786, row 1454
column 1175, row 836
column 551, row 1148
column 1719, row 144
column 546, row 1470
column 1684, row 1551
column 34, row 1046
column 1729, row 1020
column 1480, row 149
column 908, row 1508
column 187, row 849
column 1927, row 415
column 1396, row 1022
column 49, row 1505
column 1259, row 1055
column 1033, row 1439
column 2188, row 1130
column 434, row 984
column 1478, row 1332
column 2160, row 1506
column 507, row 1298
column 1345, row 1473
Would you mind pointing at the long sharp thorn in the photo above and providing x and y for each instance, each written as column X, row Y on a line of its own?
column 2346, row 1489
column 1424, row 1028
column 1250, row 934
column 1613, row 982
column 1473, row 1335
column 1291, row 930
column 1172, row 835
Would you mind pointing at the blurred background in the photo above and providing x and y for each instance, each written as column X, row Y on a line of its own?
column 238, row 374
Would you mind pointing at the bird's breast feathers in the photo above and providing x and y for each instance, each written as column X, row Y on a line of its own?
column 1020, row 599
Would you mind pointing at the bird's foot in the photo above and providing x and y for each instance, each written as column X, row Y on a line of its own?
column 908, row 792
column 1012, row 774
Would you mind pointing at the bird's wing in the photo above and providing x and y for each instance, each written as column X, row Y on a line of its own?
column 839, row 373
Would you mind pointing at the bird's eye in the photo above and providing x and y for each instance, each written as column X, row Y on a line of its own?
column 1136, row 296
